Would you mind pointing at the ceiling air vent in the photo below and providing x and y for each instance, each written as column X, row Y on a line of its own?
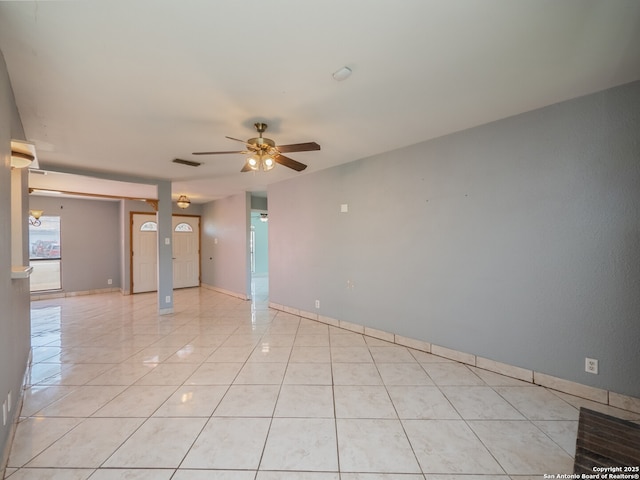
column 186, row 162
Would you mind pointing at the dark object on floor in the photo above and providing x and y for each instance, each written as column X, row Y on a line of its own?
column 606, row 441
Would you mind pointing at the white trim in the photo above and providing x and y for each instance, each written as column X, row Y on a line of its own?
column 15, row 417
column 598, row 395
column 60, row 294
column 241, row 296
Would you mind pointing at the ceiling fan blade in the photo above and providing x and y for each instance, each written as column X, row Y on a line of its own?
column 289, row 162
column 236, row 139
column 218, row 153
column 298, row 147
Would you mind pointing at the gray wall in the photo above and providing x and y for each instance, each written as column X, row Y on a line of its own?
column 96, row 233
column 90, row 234
column 517, row 241
column 225, row 244
column 15, row 327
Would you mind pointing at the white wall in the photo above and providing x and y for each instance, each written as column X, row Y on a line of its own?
column 517, row 241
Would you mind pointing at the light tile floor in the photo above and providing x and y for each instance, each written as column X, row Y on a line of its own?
column 230, row 389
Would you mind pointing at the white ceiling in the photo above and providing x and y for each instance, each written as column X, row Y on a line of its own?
column 125, row 86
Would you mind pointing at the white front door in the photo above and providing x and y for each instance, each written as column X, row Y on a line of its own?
column 186, row 251
column 144, row 251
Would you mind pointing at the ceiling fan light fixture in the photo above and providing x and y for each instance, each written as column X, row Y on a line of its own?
column 263, row 154
column 183, row 201
column 268, row 163
column 252, row 163
column 260, row 161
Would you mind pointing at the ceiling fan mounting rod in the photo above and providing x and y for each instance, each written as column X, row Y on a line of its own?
column 263, row 144
column 260, row 127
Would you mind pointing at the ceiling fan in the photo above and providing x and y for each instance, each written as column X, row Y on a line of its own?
column 264, row 154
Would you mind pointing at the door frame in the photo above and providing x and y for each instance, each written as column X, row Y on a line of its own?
column 154, row 214
column 199, row 218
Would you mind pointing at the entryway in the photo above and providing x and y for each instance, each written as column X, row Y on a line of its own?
column 259, row 248
column 144, row 252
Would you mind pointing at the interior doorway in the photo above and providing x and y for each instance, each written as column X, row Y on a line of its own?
column 259, row 249
column 144, row 252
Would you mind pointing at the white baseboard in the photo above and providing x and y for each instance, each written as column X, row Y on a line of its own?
column 15, row 417
column 62, row 294
column 598, row 395
column 241, row 296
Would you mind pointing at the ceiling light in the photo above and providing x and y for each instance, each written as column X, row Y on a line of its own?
column 20, row 160
column 261, row 161
column 183, row 201
column 268, row 163
column 23, row 154
column 34, row 217
column 252, row 162
column 342, row 74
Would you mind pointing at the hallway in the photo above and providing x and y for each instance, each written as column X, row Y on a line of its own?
column 230, row 389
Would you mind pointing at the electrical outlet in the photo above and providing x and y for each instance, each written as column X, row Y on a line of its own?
column 110, row 281
column 167, row 299
column 317, row 303
column 591, row 365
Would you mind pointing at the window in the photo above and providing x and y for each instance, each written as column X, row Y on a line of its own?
column 149, row 227
column 183, row 227
column 45, row 254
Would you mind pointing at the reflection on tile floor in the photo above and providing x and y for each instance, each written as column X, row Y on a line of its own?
column 230, row 389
